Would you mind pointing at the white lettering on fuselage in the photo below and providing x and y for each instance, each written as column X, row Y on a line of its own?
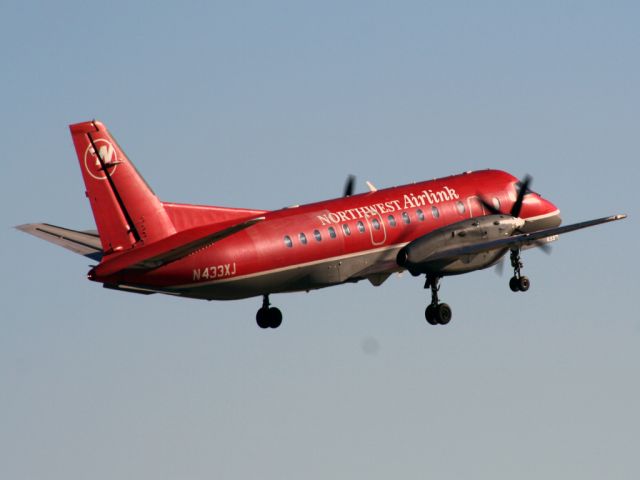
column 214, row 271
column 411, row 200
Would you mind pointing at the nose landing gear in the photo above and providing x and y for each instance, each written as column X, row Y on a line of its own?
column 268, row 317
column 518, row 282
column 436, row 313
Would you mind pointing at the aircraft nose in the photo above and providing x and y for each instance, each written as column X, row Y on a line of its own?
column 547, row 205
column 552, row 211
column 540, row 214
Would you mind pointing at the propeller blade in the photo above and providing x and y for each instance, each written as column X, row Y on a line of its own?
column 488, row 206
column 524, row 189
column 544, row 246
column 500, row 267
column 348, row 186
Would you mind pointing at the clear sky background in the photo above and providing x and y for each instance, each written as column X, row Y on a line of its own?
column 267, row 104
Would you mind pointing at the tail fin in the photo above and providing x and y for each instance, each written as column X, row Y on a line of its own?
column 127, row 212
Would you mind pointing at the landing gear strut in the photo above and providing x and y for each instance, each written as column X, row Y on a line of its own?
column 268, row 317
column 436, row 313
column 518, row 282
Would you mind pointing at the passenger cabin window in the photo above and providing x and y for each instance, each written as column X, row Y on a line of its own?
column 317, row 236
column 405, row 218
column 360, row 226
column 420, row 214
column 346, row 229
column 332, row 232
column 303, row 238
column 392, row 220
column 435, row 212
column 287, row 241
column 460, row 207
column 376, row 223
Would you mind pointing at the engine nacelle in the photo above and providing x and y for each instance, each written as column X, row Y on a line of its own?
column 415, row 256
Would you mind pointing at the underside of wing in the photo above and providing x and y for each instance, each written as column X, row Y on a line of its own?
column 519, row 241
column 86, row 242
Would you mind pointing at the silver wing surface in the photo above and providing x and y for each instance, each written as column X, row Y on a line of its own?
column 523, row 240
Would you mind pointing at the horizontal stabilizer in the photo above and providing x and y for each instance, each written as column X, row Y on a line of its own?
column 85, row 242
column 172, row 248
column 519, row 241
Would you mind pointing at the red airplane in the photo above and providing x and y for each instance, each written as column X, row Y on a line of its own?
column 441, row 227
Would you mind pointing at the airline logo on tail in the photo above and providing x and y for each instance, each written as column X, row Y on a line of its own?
column 108, row 155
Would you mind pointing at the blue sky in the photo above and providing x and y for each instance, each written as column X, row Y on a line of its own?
column 267, row 104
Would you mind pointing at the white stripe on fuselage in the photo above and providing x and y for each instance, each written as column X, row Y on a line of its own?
column 544, row 215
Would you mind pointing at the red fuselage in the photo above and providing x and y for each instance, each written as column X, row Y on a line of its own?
column 335, row 241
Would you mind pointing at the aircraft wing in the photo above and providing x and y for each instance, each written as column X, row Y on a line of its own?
column 85, row 242
column 518, row 241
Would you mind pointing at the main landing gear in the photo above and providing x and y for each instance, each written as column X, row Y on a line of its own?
column 436, row 313
column 518, row 282
column 268, row 317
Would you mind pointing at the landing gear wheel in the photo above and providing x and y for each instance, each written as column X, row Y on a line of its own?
column 436, row 313
column 514, row 284
column 523, row 284
column 268, row 317
column 430, row 315
column 443, row 313
column 262, row 318
column 275, row 317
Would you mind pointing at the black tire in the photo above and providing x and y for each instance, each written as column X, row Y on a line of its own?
column 443, row 313
column 430, row 315
column 275, row 317
column 262, row 318
column 523, row 284
column 514, row 284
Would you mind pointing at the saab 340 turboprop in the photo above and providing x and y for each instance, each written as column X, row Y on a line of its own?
column 441, row 227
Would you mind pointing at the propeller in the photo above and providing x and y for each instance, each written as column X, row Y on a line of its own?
column 516, row 209
column 489, row 207
column 524, row 189
column 544, row 246
column 500, row 267
column 517, row 206
column 349, row 185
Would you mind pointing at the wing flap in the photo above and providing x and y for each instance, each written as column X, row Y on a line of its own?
column 86, row 243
